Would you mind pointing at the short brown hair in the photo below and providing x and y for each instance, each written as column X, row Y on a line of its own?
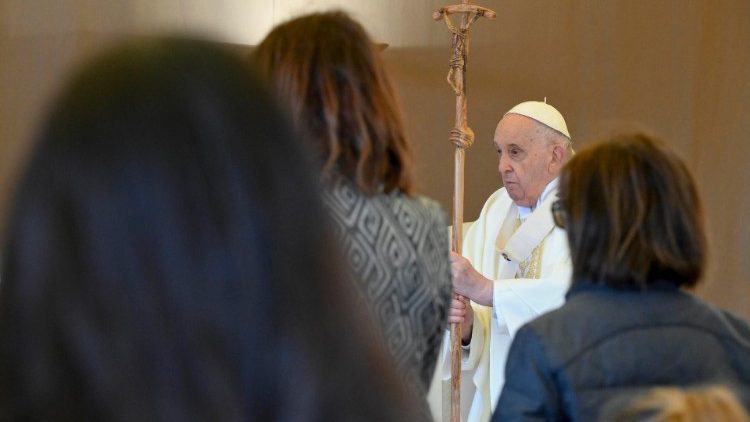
column 330, row 75
column 633, row 214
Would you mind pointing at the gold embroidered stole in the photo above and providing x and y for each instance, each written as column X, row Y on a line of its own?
column 531, row 267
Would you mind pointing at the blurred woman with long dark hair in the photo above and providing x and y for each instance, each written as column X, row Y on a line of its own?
column 169, row 258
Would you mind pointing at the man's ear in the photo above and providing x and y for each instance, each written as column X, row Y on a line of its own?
column 556, row 161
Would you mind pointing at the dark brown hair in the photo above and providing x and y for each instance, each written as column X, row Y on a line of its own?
column 633, row 214
column 327, row 71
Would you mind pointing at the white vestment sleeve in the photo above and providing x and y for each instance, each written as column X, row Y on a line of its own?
column 479, row 335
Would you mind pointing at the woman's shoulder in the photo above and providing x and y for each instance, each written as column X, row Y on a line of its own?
column 587, row 319
column 429, row 204
column 427, row 208
column 726, row 324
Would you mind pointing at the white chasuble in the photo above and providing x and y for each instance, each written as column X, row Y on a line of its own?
column 530, row 267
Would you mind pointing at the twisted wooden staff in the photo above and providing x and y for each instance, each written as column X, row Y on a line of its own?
column 462, row 137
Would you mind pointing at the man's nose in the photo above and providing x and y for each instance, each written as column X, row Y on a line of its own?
column 503, row 165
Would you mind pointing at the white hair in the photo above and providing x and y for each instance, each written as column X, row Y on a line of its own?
column 554, row 137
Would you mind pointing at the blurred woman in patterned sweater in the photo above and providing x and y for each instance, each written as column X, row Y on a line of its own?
column 330, row 76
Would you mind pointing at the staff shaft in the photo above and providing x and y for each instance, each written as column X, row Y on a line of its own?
column 458, row 209
column 457, row 236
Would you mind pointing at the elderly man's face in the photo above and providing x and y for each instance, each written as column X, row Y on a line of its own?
column 526, row 161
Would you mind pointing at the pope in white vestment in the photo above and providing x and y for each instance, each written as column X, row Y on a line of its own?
column 518, row 251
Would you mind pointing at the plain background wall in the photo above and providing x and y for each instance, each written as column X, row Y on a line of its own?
column 679, row 68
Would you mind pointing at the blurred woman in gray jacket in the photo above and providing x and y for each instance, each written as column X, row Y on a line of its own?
column 637, row 242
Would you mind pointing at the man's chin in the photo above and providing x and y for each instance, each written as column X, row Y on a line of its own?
column 513, row 193
column 519, row 200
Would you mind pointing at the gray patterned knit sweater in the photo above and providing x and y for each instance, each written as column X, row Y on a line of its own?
column 398, row 250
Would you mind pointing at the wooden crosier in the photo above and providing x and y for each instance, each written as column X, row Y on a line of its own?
column 462, row 137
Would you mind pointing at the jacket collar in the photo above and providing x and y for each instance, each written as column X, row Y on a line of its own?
column 582, row 286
